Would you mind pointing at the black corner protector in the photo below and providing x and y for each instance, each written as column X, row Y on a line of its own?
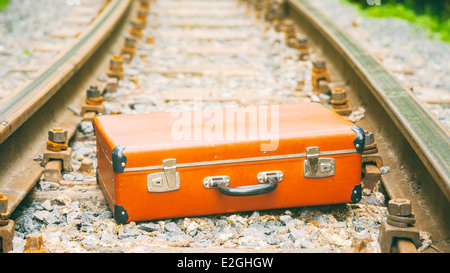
column 360, row 138
column 356, row 193
column 120, row 214
column 119, row 160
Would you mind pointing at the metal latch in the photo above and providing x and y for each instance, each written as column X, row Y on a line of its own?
column 315, row 167
column 166, row 181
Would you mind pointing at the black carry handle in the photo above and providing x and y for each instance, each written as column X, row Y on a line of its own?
column 248, row 190
column 269, row 182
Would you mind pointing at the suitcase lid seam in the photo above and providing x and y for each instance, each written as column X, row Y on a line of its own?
column 241, row 160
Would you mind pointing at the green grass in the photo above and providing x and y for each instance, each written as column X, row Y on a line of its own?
column 3, row 4
column 437, row 27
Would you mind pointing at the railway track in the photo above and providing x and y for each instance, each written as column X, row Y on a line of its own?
column 175, row 55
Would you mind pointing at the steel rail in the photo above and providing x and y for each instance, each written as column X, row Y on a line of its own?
column 44, row 102
column 413, row 142
column 31, row 96
column 424, row 133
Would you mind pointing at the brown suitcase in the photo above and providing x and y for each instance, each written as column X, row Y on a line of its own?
column 180, row 164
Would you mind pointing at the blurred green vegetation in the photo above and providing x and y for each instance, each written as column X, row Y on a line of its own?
column 3, row 4
column 433, row 15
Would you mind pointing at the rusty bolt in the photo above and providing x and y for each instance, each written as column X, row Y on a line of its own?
column 93, row 92
column 145, row 3
column 3, row 203
column 319, row 63
column 289, row 24
column 116, row 61
column 142, row 14
column 302, row 40
column 273, row 6
column 130, row 42
column 399, row 207
column 137, row 24
column 338, row 94
column 58, row 135
column 34, row 244
column 150, row 40
column 370, row 139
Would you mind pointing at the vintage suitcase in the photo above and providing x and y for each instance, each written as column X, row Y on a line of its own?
column 180, row 164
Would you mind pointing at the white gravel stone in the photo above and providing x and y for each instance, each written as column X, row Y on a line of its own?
column 41, row 215
column 86, row 224
column 385, row 169
column 47, row 204
column 23, row 26
column 406, row 49
column 18, row 245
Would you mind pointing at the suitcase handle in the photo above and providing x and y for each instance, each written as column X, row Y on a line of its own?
column 248, row 190
column 269, row 181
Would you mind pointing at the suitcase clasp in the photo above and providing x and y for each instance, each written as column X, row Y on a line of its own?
column 315, row 167
column 166, row 181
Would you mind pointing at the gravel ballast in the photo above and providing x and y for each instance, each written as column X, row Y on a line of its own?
column 74, row 216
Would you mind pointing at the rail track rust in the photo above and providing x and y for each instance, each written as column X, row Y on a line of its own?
column 408, row 136
column 43, row 102
column 409, row 140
